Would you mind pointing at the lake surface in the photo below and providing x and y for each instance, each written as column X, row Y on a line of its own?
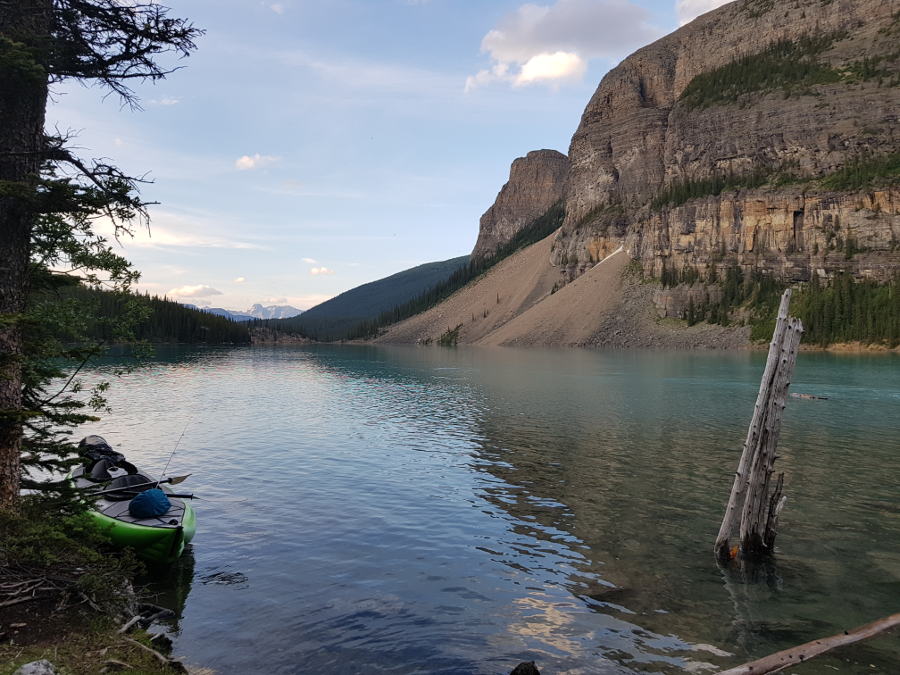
column 427, row 510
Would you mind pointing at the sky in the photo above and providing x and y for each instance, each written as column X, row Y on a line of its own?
column 310, row 146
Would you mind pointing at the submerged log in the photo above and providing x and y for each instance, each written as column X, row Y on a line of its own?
column 750, row 502
column 796, row 655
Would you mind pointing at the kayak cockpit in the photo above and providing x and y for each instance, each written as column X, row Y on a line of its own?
column 116, row 505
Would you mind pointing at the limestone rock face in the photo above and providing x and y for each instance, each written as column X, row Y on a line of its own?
column 536, row 182
column 638, row 137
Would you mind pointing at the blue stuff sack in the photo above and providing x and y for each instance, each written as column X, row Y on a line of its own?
column 149, row 503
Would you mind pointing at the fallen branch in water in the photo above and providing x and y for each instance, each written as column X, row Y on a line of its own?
column 795, row 655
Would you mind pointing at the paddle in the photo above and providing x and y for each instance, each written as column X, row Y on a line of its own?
column 168, row 494
column 174, row 480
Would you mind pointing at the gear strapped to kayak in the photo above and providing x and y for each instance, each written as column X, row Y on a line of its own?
column 149, row 503
column 131, row 506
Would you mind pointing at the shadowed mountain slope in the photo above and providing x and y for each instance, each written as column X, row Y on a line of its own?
column 331, row 319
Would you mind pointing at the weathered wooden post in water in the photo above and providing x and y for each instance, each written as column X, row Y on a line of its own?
column 750, row 501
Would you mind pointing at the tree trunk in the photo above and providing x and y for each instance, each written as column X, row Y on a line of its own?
column 760, row 513
column 24, row 39
column 750, row 503
column 796, row 655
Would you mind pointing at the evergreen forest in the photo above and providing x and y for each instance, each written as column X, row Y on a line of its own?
column 155, row 319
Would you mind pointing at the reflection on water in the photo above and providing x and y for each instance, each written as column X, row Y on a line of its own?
column 169, row 588
column 428, row 510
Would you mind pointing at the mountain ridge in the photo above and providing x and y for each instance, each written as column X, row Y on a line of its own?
column 772, row 158
column 337, row 317
column 256, row 311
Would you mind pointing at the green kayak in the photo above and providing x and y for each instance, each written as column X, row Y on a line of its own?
column 158, row 539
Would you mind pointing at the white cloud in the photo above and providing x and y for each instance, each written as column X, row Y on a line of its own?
column 555, row 66
column 256, row 161
column 169, row 229
column 277, row 7
column 240, row 280
column 311, row 261
column 538, row 43
column 167, row 100
column 316, row 271
column 198, row 291
column 688, row 10
column 498, row 73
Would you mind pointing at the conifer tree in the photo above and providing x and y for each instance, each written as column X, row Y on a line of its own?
column 50, row 198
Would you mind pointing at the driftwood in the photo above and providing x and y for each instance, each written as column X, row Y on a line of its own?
column 796, row 655
column 750, row 502
column 128, row 625
column 172, row 664
column 162, row 658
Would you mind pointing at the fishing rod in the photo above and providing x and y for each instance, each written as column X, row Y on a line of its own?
column 172, row 454
column 175, row 480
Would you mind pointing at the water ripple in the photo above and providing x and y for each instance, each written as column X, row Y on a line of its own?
column 458, row 511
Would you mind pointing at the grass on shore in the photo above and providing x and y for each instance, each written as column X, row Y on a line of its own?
column 90, row 651
column 64, row 593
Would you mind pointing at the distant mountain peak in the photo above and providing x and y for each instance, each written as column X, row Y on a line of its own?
column 260, row 311
column 257, row 311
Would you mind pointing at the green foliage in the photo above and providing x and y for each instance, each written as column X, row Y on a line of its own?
column 42, row 541
column 870, row 68
column 754, row 292
column 681, row 191
column 57, row 325
column 865, row 172
column 49, row 205
column 844, row 310
column 20, row 64
column 99, row 313
column 787, row 65
column 36, row 537
column 847, row 310
column 604, row 217
column 450, row 337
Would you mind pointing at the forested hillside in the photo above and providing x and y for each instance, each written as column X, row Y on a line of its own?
column 339, row 317
column 156, row 319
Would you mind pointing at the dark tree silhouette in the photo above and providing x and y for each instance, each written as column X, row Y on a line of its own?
column 48, row 196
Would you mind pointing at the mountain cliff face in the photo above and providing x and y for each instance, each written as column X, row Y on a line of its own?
column 536, row 182
column 763, row 135
column 724, row 143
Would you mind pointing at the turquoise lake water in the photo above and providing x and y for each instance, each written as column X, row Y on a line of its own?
column 427, row 510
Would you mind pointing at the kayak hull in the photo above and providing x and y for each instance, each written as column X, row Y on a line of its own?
column 154, row 545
